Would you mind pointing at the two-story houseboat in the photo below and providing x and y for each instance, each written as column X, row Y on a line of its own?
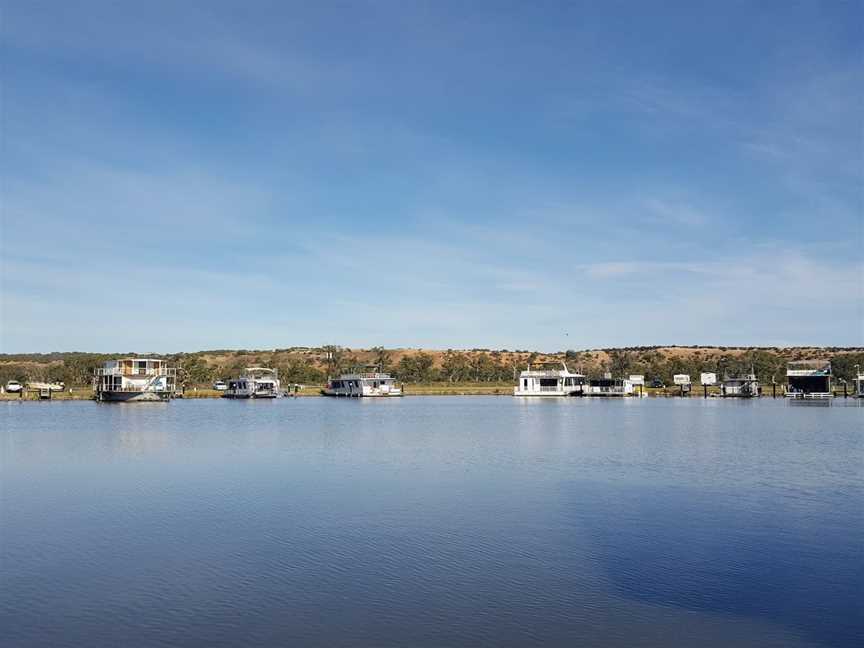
column 135, row 379
column 363, row 383
column 256, row 382
column 808, row 379
column 549, row 379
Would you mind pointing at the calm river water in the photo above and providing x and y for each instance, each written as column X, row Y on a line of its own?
column 436, row 521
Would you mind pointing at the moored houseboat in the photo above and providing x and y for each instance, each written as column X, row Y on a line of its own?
column 743, row 386
column 859, row 385
column 549, row 379
column 609, row 386
column 808, row 379
column 256, row 382
column 363, row 383
column 135, row 379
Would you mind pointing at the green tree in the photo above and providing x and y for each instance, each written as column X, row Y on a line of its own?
column 454, row 366
column 416, row 368
column 843, row 365
column 382, row 357
column 334, row 357
column 619, row 362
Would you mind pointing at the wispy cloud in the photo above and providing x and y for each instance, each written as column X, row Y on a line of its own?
column 676, row 213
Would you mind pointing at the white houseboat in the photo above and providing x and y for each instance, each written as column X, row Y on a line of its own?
column 609, row 386
column 808, row 379
column 549, row 379
column 256, row 382
column 135, row 379
column 859, row 385
column 744, row 386
column 366, row 382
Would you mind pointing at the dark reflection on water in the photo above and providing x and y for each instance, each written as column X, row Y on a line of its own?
column 432, row 521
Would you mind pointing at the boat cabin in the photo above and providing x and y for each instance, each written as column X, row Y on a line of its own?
column 256, row 382
column 859, row 386
column 808, row 379
column 549, row 379
column 744, row 386
column 609, row 386
column 135, row 379
column 363, row 383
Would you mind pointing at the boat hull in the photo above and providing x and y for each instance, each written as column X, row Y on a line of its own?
column 341, row 394
column 249, row 396
column 809, row 396
column 134, row 397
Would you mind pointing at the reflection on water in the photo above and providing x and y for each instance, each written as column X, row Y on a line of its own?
column 433, row 521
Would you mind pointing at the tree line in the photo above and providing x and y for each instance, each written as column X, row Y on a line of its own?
column 314, row 366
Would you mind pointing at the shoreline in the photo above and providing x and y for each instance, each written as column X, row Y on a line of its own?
column 451, row 389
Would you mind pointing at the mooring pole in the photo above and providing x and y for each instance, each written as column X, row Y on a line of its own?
column 773, row 390
column 704, row 391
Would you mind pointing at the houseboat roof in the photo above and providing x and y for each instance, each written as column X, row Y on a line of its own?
column 808, row 368
column 744, row 378
column 374, row 375
column 259, row 370
column 137, row 360
column 596, row 382
column 365, row 371
column 547, row 367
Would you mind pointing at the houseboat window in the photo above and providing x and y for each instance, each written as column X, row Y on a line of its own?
column 142, row 367
column 525, row 383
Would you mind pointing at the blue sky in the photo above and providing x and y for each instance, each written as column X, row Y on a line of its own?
column 183, row 176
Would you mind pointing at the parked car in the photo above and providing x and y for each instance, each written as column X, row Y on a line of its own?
column 13, row 386
column 657, row 384
column 220, row 385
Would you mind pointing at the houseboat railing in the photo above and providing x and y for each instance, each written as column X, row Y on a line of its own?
column 117, row 371
column 541, row 374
